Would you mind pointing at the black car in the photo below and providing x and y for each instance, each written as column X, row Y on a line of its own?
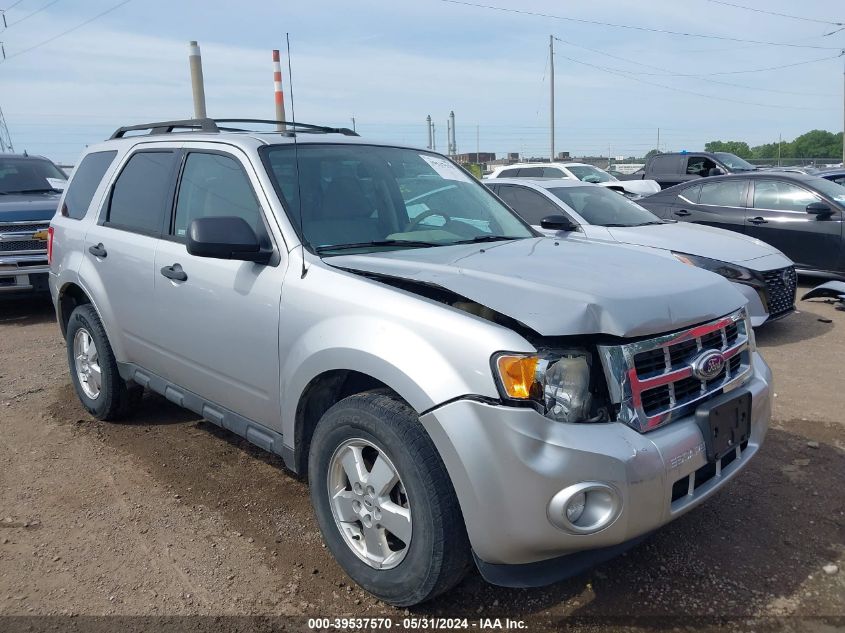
column 680, row 167
column 799, row 214
column 836, row 175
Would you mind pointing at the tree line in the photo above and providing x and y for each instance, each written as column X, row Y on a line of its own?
column 813, row 144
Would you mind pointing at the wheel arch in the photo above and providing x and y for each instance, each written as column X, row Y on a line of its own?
column 71, row 295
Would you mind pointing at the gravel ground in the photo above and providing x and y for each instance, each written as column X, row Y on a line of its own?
column 167, row 515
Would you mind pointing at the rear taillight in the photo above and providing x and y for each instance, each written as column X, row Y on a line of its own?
column 50, row 245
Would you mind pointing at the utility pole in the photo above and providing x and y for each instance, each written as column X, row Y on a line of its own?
column 658, row 141
column 197, row 84
column 448, row 137
column 433, row 137
column 454, row 149
column 780, row 141
column 353, row 125
column 430, row 132
column 477, row 143
column 552, row 99
column 843, row 109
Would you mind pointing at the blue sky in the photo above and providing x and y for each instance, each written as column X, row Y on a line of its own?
column 389, row 64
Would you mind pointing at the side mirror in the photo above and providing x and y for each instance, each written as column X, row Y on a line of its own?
column 558, row 223
column 225, row 237
column 819, row 209
column 716, row 171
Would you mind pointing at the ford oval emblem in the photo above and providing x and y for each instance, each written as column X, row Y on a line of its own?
column 708, row 365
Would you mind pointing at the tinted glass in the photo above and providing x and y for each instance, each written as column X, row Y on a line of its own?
column 531, row 172
column 725, row 193
column 781, row 196
column 664, row 164
column 530, row 205
column 691, row 193
column 86, row 179
column 508, row 173
column 734, row 162
column 830, row 188
column 141, row 195
column 28, row 175
column 588, row 173
column 553, row 172
column 604, row 207
column 356, row 194
column 699, row 166
column 213, row 185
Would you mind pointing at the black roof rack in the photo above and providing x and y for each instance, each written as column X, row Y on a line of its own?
column 211, row 126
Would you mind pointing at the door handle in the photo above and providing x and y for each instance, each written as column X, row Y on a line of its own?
column 98, row 250
column 758, row 220
column 175, row 273
column 683, row 213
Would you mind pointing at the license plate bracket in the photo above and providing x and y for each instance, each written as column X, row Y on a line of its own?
column 725, row 423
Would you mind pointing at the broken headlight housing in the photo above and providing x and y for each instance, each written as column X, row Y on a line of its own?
column 731, row 272
column 556, row 382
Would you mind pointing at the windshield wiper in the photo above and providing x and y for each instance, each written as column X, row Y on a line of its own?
column 485, row 238
column 409, row 243
column 39, row 190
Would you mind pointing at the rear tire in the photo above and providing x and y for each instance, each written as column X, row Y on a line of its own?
column 93, row 368
column 385, row 436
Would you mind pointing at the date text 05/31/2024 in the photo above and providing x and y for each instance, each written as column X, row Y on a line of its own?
column 351, row 624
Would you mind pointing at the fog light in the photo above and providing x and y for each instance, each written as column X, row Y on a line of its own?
column 575, row 507
column 585, row 507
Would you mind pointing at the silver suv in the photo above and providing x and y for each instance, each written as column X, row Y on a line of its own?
column 457, row 388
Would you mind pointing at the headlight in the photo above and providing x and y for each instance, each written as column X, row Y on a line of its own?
column 558, row 382
column 725, row 269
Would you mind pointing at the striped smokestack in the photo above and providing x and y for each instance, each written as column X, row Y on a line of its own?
column 279, row 93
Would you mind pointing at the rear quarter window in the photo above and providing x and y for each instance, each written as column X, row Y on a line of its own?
column 86, row 178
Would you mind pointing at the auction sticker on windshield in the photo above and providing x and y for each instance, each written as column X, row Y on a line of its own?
column 445, row 169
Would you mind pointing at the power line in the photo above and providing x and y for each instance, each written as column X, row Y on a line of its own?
column 29, row 15
column 632, row 27
column 621, row 73
column 13, row 5
column 70, row 30
column 669, row 73
column 782, row 15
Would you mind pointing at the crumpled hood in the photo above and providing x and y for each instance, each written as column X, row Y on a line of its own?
column 562, row 288
column 696, row 239
column 28, row 207
column 639, row 187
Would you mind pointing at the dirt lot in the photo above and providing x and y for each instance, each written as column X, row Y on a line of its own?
column 168, row 515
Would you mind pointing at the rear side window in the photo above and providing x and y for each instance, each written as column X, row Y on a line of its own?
column 531, row 172
column 143, row 193
column 691, row 193
column 725, row 193
column 553, row 172
column 530, row 205
column 83, row 185
column 508, row 173
column 664, row 164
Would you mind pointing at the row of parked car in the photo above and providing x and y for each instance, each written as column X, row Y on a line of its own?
column 459, row 388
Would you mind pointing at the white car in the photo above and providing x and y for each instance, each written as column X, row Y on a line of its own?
column 577, row 171
column 586, row 212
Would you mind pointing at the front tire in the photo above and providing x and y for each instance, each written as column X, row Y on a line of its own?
column 93, row 368
column 384, row 501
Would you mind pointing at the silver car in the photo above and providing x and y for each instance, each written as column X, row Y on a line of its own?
column 457, row 388
column 761, row 272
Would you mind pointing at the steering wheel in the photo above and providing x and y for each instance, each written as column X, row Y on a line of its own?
column 427, row 214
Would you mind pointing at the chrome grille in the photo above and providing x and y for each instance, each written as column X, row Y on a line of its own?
column 781, row 286
column 653, row 381
column 18, row 237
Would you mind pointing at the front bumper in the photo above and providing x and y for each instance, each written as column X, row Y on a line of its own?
column 24, row 273
column 507, row 463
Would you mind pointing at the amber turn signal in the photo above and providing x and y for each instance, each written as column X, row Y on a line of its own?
column 518, row 374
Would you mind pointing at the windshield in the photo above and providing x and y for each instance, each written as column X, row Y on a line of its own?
column 830, row 189
column 367, row 198
column 588, row 173
column 604, row 207
column 734, row 162
column 29, row 175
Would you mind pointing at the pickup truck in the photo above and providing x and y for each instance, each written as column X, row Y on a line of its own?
column 30, row 187
column 673, row 169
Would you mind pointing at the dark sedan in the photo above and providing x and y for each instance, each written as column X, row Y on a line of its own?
column 799, row 214
column 836, row 175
